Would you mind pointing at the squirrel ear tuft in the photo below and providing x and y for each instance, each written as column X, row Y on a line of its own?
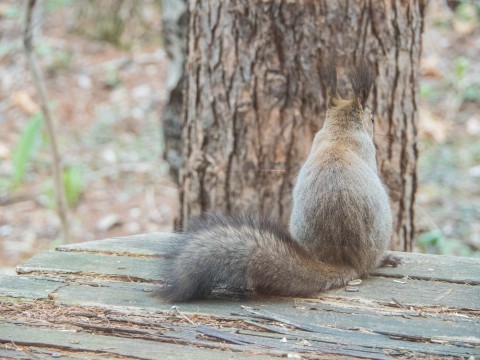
column 362, row 78
column 329, row 76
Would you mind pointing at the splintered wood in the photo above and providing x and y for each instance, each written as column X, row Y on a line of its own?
column 96, row 300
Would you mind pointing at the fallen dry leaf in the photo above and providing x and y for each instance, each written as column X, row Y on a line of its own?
column 23, row 100
column 107, row 222
column 431, row 126
column 430, row 67
column 473, row 125
column 4, row 151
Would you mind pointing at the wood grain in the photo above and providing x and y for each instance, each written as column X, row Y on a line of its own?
column 105, row 306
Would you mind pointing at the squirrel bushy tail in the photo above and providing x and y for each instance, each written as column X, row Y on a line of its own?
column 245, row 252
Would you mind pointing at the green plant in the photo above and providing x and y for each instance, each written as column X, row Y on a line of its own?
column 54, row 5
column 471, row 93
column 112, row 77
column 57, row 59
column 461, row 67
column 462, row 82
column 73, row 183
column 60, row 60
column 5, row 49
column 13, row 12
column 468, row 10
column 426, row 90
column 435, row 242
column 29, row 140
column 118, row 22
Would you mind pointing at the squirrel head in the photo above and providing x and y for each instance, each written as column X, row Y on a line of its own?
column 352, row 112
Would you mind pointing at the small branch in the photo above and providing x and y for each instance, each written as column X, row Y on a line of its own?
column 60, row 197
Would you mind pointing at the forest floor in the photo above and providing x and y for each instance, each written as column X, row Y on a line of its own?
column 108, row 102
column 448, row 197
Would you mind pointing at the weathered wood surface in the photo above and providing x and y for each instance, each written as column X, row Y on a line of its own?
column 95, row 300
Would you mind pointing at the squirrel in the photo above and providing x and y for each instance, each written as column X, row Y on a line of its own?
column 340, row 225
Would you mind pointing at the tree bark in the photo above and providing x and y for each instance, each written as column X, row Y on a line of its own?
column 174, row 26
column 254, row 100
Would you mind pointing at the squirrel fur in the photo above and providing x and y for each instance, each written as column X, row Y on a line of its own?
column 340, row 224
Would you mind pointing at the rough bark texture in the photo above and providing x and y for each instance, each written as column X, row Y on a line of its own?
column 254, row 98
column 174, row 25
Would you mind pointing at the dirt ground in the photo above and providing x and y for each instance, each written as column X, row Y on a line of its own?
column 448, row 197
column 108, row 102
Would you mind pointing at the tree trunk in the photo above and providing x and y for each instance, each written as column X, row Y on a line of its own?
column 174, row 26
column 254, row 99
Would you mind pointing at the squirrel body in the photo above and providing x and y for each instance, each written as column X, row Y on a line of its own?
column 340, row 225
column 341, row 212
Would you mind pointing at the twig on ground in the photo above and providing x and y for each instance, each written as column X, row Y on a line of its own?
column 60, row 197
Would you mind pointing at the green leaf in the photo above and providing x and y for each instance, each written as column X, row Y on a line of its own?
column 73, row 183
column 435, row 242
column 54, row 5
column 461, row 67
column 5, row 49
column 13, row 12
column 466, row 11
column 426, row 90
column 471, row 93
column 26, row 145
column 112, row 78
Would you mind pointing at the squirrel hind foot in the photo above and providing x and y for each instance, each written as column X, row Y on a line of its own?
column 389, row 260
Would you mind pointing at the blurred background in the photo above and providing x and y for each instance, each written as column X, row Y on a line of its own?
column 105, row 69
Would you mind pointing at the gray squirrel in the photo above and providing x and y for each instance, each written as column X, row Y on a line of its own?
column 340, row 226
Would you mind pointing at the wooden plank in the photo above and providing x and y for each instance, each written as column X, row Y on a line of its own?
column 384, row 320
column 369, row 345
column 38, row 353
column 112, row 294
column 227, row 331
column 110, row 345
column 302, row 313
column 153, row 244
column 387, row 317
column 349, row 315
column 435, row 267
column 28, row 287
column 379, row 289
column 318, row 338
column 135, row 268
column 308, row 311
column 160, row 328
column 294, row 343
column 415, row 265
column 13, row 353
column 385, row 332
column 415, row 293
